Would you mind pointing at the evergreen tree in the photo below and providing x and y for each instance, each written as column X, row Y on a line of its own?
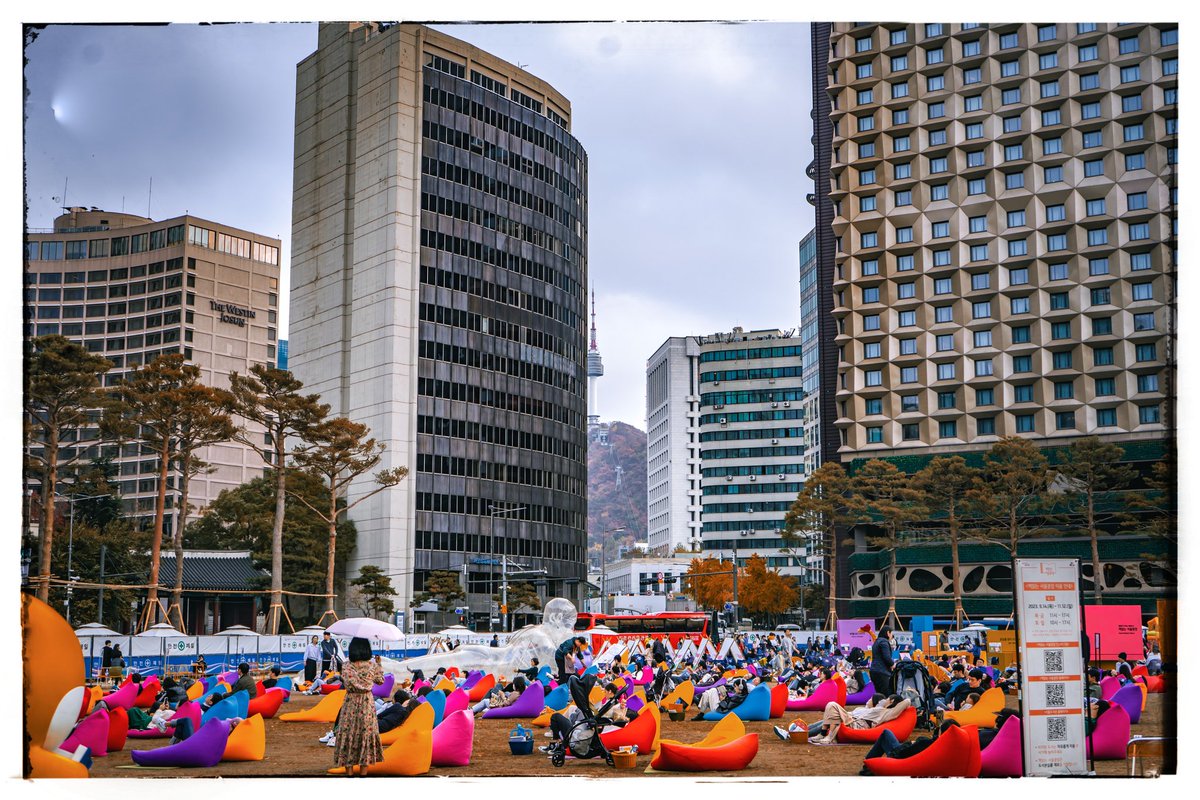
column 882, row 495
column 376, row 588
column 821, row 508
column 441, row 587
column 943, row 486
column 1091, row 468
column 1011, row 489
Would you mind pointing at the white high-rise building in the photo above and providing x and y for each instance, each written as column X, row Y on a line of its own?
column 673, row 446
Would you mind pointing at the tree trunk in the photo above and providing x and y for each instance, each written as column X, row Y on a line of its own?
column 332, row 551
column 955, row 569
column 177, row 542
column 831, row 598
column 1012, row 530
column 160, row 512
column 50, row 453
column 276, row 609
column 891, row 612
column 1097, row 571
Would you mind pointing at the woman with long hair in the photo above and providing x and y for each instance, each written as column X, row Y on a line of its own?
column 357, row 734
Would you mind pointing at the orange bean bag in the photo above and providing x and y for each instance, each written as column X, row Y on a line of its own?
column 902, row 726
column 444, row 685
column 685, row 691
column 94, row 694
column 735, row 755
column 411, row 753
column 643, row 732
column 725, row 731
column 195, row 690
column 324, row 711
column 266, row 704
column 248, row 741
column 983, row 713
column 44, row 764
column 955, row 754
column 482, row 687
column 421, row 717
column 543, row 719
column 53, row 666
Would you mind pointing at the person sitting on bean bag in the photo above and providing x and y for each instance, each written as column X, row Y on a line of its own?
column 498, row 698
column 270, row 681
column 333, row 678
column 397, row 713
column 888, row 745
column 171, row 693
column 987, row 734
column 162, row 715
column 184, row 729
column 722, row 699
column 880, row 708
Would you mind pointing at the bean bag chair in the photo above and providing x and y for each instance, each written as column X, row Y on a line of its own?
column 452, row 673
column 841, row 687
column 1156, row 684
column 419, row 685
column 118, row 729
column 725, row 731
column 456, row 701
column 324, row 711
column 902, row 726
column 150, row 690
column 92, row 733
column 481, row 687
column 861, row 697
column 45, row 764
column 259, row 690
column 685, row 691
column 1002, row 757
column 593, row 669
column 385, row 690
column 1141, row 684
column 453, row 740
column 203, row 748
column 218, row 687
column 823, row 695
column 195, row 690
column 1109, row 687
column 420, row 718
column 753, row 670
column 1129, row 697
column 646, row 677
column 266, row 704
column 529, row 704
column 735, row 755
column 66, row 716
column 471, row 679
column 983, row 713
column 437, row 701
column 596, row 695
column 642, row 732
column 229, row 677
column 755, row 708
column 779, row 698
column 188, row 710
column 89, row 699
column 955, row 754
column 544, row 675
column 330, row 688
column 557, row 699
column 543, row 720
column 1110, row 735
column 235, row 705
column 122, row 697
column 634, row 703
column 285, row 683
column 444, row 685
column 248, row 741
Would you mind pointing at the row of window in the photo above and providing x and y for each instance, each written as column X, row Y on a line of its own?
column 1046, row 89
column 507, row 473
column 1013, row 40
column 755, row 469
column 751, row 396
column 751, row 416
column 478, row 506
column 468, row 212
column 751, row 452
column 502, row 190
column 502, row 329
column 1014, row 248
column 741, row 354
column 1021, row 423
column 447, row 279
column 1018, row 334
column 984, row 367
column 767, row 487
column 513, row 367
column 526, row 546
column 750, row 374
column 497, row 435
column 1014, row 123
column 1022, row 393
column 981, row 281
column 1008, row 69
column 1017, row 218
column 1059, row 271
column 491, row 398
column 736, row 434
column 497, row 87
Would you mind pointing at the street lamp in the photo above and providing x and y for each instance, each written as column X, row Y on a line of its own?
column 494, row 512
column 71, row 577
column 604, row 565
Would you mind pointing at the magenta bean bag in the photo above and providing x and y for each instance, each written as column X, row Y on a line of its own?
column 418, row 685
column 1110, row 735
column 647, row 677
column 755, row 708
column 384, row 690
column 860, row 697
column 529, row 704
column 1129, row 697
column 122, row 697
column 823, row 695
column 1109, row 687
column 1002, row 757
column 203, row 748
column 187, row 710
column 456, row 701
column 92, row 733
column 229, row 677
column 453, row 739
column 753, row 670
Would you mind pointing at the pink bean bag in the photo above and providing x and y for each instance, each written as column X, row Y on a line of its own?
column 92, row 733
column 1109, row 687
column 823, row 695
column 902, row 726
column 456, row 701
column 1110, row 735
column 861, row 697
column 955, row 754
column 203, row 748
column 384, row 690
column 122, row 697
column 1129, row 697
column 529, row 704
column 419, row 685
column 646, row 677
column 1002, row 757
column 779, row 699
column 118, row 729
column 453, row 739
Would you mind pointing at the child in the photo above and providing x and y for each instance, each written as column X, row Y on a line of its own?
column 971, row 700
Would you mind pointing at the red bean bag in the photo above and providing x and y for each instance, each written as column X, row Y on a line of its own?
column 955, row 754
column 481, row 687
column 1110, row 736
column 118, row 729
column 529, row 704
column 266, row 704
column 452, row 673
column 841, row 684
column 330, row 688
column 902, row 726
column 779, row 699
column 92, row 733
column 150, row 690
column 1002, row 757
column 1155, row 684
column 735, row 755
column 259, row 689
column 453, row 740
column 642, row 732
column 823, row 695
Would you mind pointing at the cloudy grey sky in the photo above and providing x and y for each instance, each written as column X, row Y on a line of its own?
column 697, row 137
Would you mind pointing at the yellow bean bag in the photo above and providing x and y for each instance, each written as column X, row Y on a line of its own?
column 729, row 729
column 596, row 696
column 45, row 764
column 421, row 717
column 543, row 719
column 983, row 713
column 195, row 690
column 444, row 685
column 248, row 741
column 324, row 711
column 411, row 753
column 685, row 691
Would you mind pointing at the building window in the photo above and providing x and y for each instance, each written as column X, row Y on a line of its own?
column 975, row 74
column 1133, row 133
column 1139, row 261
column 1020, row 334
column 1093, row 139
column 902, row 171
column 1008, row 41
column 870, row 267
column 866, row 124
column 1064, row 420
column 1136, row 201
column 904, row 235
column 1143, row 322
column 1012, row 124
column 1060, row 330
column 1101, row 326
column 934, row 83
column 1095, row 167
column 1088, row 52
column 874, row 434
column 866, row 203
column 983, row 339
column 941, row 258
column 899, row 63
column 908, row 374
column 873, row 377
column 863, row 71
column 981, row 280
column 870, row 322
column 1106, row 387
column 937, row 110
column 1019, row 305
column 943, row 314
column 979, row 252
column 910, row 402
column 1024, row 423
column 1097, row 236
column 1139, row 231
column 1018, row 247
column 1131, row 102
column 900, row 116
column 1106, row 418
column 871, row 350
column 910, row 431
column 870, row 239
column 1048, row 89
column 1133, row 161
column 1010, row 68
column 1101, row 296
column 873, row 405
column 1089, row 81
column 1170, row 66
column 1168, row 37
column 899, row 90
column 1131, row 74
column 1146, row 352
column 862, row 44
column 975, row 130
column 898, row 36
column 901, row 144
column 1095, row 207
column 907, row 319
column 1064, row 390
column 976, row 186
column 908, row 347
column 933, row 29
column 1023, row 394
column 1010, row 97
column 948, row 429
column 977, row 224
column 1126, row 45
column 1052, row 175
column 944, row 342
column 985, row 397
column 983, row 367
column 935, row 56
column 942, row 286
column 866, row 177
column 906, row 290
column 1147, row 383
column 1148, row 415
column 945, row 372
column 1102, row 356
column 939, row 191
column 870, row 294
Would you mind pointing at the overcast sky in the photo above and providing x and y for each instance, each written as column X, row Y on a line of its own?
column 697, row 137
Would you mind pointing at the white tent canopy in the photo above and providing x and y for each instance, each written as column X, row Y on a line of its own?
column 237, row 630
column 160, row 630
column 95, row 629
column 455, row 630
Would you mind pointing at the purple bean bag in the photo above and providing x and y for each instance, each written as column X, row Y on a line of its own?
column 203, row 748
column 1110, row 735
column 384, row 690
column 1109, row 687
column 453, row 739
column 92, row 733
column 187, row 710
column 860, row 697
column 472, row 679
column 1129, row 697
column 456, row 701
column 755, row 708
column 122, row 697
column 1002, row 757
column 529, row 704
column 229, row 677
column 235, row 705
column 634, row 703
column 823, row 695
column 557, row 699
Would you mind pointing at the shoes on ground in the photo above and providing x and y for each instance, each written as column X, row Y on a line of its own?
column 781, row 733
column 324, row 739
column 819, row 740
column 698, row 718
column 544, row 748
column 331, row 743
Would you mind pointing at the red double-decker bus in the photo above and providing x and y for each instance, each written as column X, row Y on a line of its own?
column 674, row 626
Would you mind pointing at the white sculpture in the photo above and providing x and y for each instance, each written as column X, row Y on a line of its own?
column 535, row 641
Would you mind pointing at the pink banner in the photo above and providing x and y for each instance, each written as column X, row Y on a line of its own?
column 1119, row 628
column 850, row 633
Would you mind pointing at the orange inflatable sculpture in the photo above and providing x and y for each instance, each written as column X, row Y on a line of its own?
column 53, row 665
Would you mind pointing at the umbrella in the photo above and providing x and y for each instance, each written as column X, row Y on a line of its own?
column 976, row 627
column 367, row 628
column 237, row 630
column 160, row 630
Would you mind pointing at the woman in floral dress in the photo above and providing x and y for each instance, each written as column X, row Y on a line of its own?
column 357, row 734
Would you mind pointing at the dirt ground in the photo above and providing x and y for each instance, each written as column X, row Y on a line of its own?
column 293, row 751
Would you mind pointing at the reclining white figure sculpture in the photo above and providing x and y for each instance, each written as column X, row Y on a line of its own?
column 536, row 641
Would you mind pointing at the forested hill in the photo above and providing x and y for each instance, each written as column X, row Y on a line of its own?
column 617, row 486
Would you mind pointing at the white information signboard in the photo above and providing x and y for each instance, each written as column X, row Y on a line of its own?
column 1049, row 632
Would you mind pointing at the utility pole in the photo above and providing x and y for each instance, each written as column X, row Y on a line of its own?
column 604, row 567
column 494, row 512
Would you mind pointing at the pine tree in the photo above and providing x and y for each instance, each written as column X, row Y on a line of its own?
column 1012, row 489
column 1091, row 468
column 441, row 587
column 882, row 495
column 821, row 508
column 376, row 588
column 943, row 486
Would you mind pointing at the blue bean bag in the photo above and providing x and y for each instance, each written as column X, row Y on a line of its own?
column 236, row 705
column 204, row 748
column 286, row 684
column 529, row 704
column 437, row 701
column 592, row 670
column 558, row 698
column 544, row 675
column 755, row 708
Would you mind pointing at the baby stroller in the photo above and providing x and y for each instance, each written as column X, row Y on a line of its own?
column 582, row 739
column 912, row 681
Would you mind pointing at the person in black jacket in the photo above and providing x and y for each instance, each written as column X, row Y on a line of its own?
column 395, row 715
column 882, row 661
column 958, row 695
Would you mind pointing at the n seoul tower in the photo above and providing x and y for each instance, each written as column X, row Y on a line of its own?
column 595, row 368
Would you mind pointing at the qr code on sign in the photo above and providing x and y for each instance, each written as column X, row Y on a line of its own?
column 1056, row 729
column 1053, row 660
column 1056, row 695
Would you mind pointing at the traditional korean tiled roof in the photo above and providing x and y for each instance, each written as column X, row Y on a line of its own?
column 211, row 570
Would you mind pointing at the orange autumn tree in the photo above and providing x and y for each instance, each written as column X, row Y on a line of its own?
column 710, row 592
column 764, row 593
